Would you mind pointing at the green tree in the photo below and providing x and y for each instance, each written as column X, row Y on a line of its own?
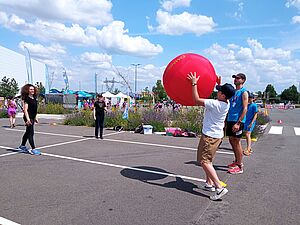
column 40, row 87
column 290, row 94
column 259, row 94
column 159, row 91
column 270, row 91
column 8, row 87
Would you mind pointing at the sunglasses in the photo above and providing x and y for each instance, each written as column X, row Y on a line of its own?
column 238, row 78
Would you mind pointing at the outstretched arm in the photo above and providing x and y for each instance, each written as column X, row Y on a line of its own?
column 194, row 79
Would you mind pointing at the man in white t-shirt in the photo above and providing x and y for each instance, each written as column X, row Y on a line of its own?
column 212, row 132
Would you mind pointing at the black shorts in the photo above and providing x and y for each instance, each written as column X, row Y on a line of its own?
column 230, row 133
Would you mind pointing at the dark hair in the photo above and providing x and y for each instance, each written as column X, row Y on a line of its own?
column 25, row 91
column 99, row 95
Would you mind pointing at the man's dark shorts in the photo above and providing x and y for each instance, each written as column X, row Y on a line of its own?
column 230, row 133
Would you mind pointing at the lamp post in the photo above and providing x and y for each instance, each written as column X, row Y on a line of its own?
column 135, row 77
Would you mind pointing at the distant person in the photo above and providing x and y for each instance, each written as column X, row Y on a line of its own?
column 212, row 132
column 99, row 111
column 250, row 122
column 30, row 104
column 11, row 111
column 235, row 122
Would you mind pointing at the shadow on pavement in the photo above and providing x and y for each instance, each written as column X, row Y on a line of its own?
column 148, row 177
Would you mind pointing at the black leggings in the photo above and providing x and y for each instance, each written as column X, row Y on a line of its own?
column 29, row 135
column 99, row 124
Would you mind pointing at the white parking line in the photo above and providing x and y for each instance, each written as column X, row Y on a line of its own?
column 4, row 221
column 161, row 145
column 61, row 135
column 297, row 130
column 121, row 141
column 276, row 130
column 123, row 167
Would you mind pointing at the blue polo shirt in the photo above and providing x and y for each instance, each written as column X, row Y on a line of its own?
column 236, row 106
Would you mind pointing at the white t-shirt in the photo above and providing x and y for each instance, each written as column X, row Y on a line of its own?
column 214, row 117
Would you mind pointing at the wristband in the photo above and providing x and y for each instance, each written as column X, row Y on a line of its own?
column 194, row 84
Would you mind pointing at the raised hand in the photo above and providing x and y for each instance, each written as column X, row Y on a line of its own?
column 193, row 77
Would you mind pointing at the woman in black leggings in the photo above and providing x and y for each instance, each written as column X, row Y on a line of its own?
column 29, row 94
column 99, row 111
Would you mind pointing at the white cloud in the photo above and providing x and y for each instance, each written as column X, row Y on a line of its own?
column 96, row 60
column 238, row 14
column 296, row 19
column 183, row 23
column 293, row 3
column 169, row 5
column 111, row 38
column 261, row 65
column 114, row 38
column 267, row 53
column 92, row 12
column 50, row 55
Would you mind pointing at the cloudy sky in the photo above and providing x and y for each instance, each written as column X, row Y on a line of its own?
column 258, row 38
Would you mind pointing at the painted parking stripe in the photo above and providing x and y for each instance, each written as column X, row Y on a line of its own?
column 297, row 130
column 276, row 130
column 121, row 141
column 6, row 154
column 164, row 146
column 62, row 135
column 123, row 167
column 4, row 221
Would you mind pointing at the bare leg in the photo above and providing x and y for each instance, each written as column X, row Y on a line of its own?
column 211, row 173
column 237, row 149
column 10, row 121
column 248, row 139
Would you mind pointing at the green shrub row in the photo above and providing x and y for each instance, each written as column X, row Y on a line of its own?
column 3, row 113
column 187, row 119
column 52, row 108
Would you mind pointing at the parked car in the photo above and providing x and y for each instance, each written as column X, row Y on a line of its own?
column 260, row 103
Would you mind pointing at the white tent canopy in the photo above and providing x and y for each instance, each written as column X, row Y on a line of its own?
column 108, row 95
column 121, row 95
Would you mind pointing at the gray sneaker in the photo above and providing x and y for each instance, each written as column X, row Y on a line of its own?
column 207, row 187
column 219, row 194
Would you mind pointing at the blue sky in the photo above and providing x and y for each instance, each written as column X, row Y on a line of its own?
column 258, row 38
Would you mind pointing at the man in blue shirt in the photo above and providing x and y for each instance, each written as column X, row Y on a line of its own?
column 235, row 122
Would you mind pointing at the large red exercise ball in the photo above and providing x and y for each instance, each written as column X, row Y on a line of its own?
column 175, row 81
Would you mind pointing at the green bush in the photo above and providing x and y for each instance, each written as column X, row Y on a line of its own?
column 262, row 119
column 3, row 113
column 114, row 118
column 81, row 118
column 52, row 108
column 189, row 119
column 157, row 119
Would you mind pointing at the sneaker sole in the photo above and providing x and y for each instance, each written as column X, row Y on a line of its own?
column 207, row 189
column 224, row 192
column 240, row 172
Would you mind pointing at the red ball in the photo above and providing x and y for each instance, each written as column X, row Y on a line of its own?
column 175, row 81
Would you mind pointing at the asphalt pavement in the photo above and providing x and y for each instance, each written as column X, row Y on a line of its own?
column 145, row 179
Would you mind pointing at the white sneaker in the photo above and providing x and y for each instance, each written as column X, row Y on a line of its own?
column 207, row 187
column 219, row 194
